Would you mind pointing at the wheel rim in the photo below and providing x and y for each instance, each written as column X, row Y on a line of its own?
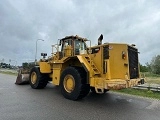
column 69, row 83
column 33, row 77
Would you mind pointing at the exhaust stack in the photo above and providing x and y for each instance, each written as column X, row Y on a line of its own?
column 100, row 39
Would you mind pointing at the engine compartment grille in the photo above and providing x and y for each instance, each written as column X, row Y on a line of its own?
column 133, row 62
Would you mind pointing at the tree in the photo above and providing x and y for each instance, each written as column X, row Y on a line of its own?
column 25, row 65
column 144, row 68
column 155, row 64
column 28, row 65
column 148, row 67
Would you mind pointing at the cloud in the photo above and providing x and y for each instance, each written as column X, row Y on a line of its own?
column 22, row 22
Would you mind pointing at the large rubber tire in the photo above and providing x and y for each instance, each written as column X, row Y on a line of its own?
column 94, row 91
column 37, row 80
column 77, row 89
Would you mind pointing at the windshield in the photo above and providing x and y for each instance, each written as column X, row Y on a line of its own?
column 80, row 45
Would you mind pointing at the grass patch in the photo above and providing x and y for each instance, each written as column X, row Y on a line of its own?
column 151, row 78
column 148, row 74
column 8, row 73
column 143, row 93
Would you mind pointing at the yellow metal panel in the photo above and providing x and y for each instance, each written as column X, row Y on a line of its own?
column 45, row 67
column 97, row 58
column 118, row 66
column 108, row 74
column 92, row 82
column 56, row 76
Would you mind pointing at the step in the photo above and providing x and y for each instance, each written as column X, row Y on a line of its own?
column 94, row 68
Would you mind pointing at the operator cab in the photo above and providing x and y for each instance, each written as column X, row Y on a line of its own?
column 73, row 45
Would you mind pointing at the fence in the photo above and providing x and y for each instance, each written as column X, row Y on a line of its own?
column 146, row 86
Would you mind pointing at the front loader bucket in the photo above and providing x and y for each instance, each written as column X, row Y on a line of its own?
column 22, row 79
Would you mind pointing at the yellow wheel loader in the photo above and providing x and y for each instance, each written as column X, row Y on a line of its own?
column 78, row 68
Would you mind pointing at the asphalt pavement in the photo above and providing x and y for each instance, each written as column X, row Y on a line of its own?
column 21, row 102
